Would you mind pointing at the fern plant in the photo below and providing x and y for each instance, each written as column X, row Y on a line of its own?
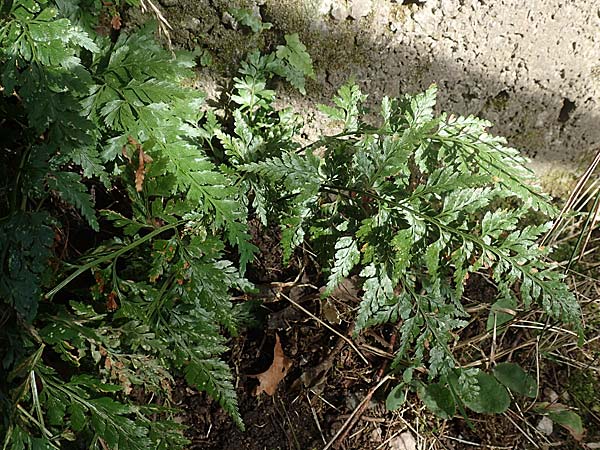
column 87, row 112
column 110, row 117
column 103, row 135
column 414, row 206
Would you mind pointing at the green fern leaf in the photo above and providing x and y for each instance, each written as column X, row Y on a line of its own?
column 25, row 240
column 238, row 235
column 90, row 162
column 346, row 257
column 214, row 377
column 292, row 231
column 296, row 62
column 249, row 19
column 297, row 172
column 420, row 107
column 378, row 294
column 349, row 102
column 68, row 185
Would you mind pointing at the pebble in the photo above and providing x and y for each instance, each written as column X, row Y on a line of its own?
column 405, row 441
column 227, row 19
column 360, row 8
column 339, row 13
column 545, row 425
column 169, row 3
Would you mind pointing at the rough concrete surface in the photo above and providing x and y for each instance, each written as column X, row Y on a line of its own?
column 532, row 68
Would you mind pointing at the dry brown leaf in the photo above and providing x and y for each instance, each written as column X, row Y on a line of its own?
column 111, row 302
column 125, row 154
column 269, row 379
column 347, row 290
column 115, row 22
column 143, row 159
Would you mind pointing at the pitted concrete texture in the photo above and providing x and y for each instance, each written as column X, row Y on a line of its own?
column 532, row 68
column 529, row 67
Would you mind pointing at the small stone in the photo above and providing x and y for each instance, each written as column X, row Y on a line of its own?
column 545, row 425
column 449, row 8
column 324, row 6
column 360, row 8
column 192, row 24
column 352, row 401
column 376, row 435
column 227, row 19
column 408, row 26
column 330, row 312
column 405, row 441
column 339, row 13
column 551, row 394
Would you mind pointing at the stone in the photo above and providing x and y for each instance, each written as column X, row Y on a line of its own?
column 169, row 3
column 339, row 12
column 227, row 19
column 545, row 425
column 405, row 441
column 376, row 435
column 360, row 8
column 324, row 7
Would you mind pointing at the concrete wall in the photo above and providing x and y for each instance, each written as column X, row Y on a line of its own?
column 532, row 68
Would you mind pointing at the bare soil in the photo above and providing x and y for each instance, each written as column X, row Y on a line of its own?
column 329, row 378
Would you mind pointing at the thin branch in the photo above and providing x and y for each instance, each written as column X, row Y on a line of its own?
column 333, row 330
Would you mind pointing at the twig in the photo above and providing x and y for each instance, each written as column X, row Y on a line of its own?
column 537, row 374
column 388, row 440
column 333, row 330
column 366, row 418
column 572, row 201
column 349, row 423
column 163, row 24
column 291, row 427
column 314, row 375
column 314, row 413
column 386, row 362
column 521, row 430
column 475, row 444
column 494, row 343
column 331, row 405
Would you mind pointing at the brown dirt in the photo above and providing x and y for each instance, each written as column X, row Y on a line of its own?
column 324, row 386
column 328, row 379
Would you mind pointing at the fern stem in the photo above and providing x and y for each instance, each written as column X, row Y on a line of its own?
column 110, row 256
column 18, row 185
column 155, row 307
column 453, row 231
column 484, row 162
column 325, row 139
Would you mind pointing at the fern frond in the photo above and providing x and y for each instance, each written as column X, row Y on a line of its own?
column 25, row 241
column 349, row 102
column 297, row 172
column 91, row 164
column 214, row 377
column 68, row 185
column 295, row 63
column 378, row 299
column 346, row 257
